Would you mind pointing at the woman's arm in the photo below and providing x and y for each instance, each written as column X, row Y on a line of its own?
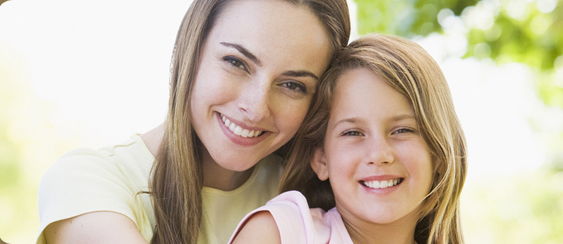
column 96, row 227
column 260, row 228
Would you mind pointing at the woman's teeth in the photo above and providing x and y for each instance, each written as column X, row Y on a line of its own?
column 381, row 184
column 239, row 131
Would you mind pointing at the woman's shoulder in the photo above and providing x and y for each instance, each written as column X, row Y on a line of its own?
column 128, row 156
column 86, row 180
column 121, row 166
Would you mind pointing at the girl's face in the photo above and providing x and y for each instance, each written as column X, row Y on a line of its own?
column 378, row 164
column 258, row 71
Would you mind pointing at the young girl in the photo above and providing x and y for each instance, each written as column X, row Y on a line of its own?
column 244, row 73
column 386, row 137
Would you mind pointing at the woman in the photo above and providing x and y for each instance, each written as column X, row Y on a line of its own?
column 244, row 73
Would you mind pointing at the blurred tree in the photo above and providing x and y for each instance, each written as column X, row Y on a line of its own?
column 523, row 208
column 12, row 95
column 525, row 31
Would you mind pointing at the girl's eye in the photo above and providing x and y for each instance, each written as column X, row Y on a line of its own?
column 403, row 130
column 352, row 133
column 234, row 61
column 295, row 86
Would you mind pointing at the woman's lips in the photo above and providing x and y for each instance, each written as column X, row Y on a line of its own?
column 238, row 130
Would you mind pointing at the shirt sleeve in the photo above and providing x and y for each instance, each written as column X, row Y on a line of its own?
column 83, row 181
column 293, row 218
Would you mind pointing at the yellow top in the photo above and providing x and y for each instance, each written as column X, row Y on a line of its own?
column 112, row 179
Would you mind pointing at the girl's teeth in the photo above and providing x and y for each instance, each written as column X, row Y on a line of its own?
column 381, row 184
column 239, row 131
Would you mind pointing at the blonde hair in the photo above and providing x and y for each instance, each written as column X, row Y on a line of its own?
column 409, row 69
column 177, row 176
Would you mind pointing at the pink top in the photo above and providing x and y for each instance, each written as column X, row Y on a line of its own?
column 299, row 224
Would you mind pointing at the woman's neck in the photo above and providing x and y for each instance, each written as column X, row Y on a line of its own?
column 153, row 138
column 399, row 232
column 215, row 176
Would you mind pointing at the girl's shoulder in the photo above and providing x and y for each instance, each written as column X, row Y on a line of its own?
column 297, row 223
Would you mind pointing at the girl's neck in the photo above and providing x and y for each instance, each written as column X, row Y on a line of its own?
column 399, row 232
column 215, row 176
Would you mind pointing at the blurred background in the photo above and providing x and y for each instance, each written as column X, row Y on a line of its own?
column 91, row 73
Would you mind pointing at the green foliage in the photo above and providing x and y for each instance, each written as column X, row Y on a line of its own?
column 405, row 17
column 528, row 32
column 10, row 96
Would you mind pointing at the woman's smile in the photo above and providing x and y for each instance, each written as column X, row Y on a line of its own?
column 239, row 133
column 253, row 89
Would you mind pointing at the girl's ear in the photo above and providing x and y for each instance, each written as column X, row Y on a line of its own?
column 319, row 165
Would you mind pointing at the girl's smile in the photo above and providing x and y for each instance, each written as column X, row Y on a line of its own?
column 381, row 182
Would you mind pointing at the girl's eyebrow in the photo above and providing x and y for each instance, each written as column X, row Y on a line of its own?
column 403, row 117
column 400, row 117
column 243, row 51
column 347, row 120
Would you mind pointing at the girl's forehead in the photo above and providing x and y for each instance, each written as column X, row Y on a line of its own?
column 361, row 92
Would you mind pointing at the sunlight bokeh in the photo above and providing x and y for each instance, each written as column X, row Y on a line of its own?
column 92, row 73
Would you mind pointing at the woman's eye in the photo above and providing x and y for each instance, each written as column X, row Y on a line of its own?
column 352, row 133
column 295, row 86
column 235, row 62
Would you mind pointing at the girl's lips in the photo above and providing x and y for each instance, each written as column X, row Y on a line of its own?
column 381, row 184
column 236, row 134
column 381, row 181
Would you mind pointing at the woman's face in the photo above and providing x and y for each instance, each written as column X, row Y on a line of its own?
column 259, row 69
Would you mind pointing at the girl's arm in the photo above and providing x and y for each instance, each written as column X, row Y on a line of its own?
column 96, row 227
column 260, row 228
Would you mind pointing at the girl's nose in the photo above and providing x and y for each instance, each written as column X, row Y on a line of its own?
column 379, row 151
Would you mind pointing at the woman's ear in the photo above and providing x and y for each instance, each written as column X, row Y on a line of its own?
column 319, row 165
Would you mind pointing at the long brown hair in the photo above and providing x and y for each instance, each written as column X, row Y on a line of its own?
column 177, row 176
column 409, row 69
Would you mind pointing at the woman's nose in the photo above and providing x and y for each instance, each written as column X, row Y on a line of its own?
column 254, row 102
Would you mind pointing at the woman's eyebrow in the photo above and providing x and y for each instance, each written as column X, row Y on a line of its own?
column 244, row 52
column 253, row 58
column 300, row 73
